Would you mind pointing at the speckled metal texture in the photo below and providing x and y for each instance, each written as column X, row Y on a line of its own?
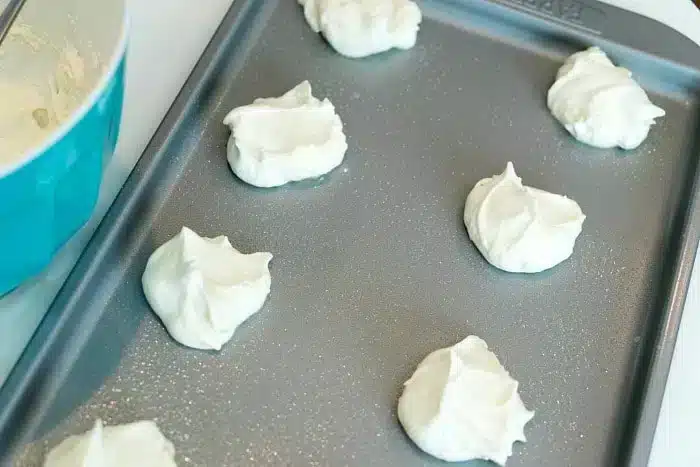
column 373, row 268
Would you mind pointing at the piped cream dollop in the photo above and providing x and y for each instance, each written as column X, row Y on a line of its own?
column 203, row 288
column 461, row 404
column 134, row 444
column 599, row 103
column 284, row 139
column 519, row 228
column 358, row 28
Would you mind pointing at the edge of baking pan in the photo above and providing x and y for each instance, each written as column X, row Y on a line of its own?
column 31, row 386
column 34, row 382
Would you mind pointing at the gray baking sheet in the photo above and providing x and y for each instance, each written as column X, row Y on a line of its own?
column 373, row 268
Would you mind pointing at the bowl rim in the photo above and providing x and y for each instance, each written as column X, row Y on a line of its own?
column 114, row 62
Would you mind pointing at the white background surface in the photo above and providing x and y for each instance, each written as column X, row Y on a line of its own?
column 167, row 37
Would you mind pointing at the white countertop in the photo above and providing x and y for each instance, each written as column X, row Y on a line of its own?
column 167, row 37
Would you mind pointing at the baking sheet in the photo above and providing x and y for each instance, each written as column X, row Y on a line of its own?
column 373, row 268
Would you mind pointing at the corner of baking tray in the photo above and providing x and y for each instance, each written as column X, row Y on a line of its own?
column 597, row 23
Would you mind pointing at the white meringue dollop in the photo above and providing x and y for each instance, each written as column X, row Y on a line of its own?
column 358, row 28
column 519, row 228
column 134, row 444
column 461, row 404
column 284, row 139
column 600, row 104
column 203, row 289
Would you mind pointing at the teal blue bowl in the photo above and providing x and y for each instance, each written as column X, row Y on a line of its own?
column 48, row 192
